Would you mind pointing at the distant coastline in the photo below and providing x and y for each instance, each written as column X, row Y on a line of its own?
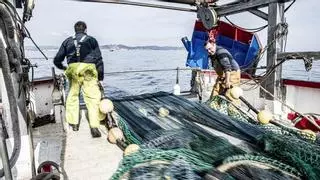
column 113, row 47
column 121, row 46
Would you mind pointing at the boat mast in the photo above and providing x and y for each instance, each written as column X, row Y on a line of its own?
column 273, row 83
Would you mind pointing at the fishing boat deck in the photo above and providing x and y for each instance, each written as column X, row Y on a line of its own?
column 81, row 157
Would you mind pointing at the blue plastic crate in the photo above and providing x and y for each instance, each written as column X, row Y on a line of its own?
column 244, row 54
column 244, row 46
column 197, row 54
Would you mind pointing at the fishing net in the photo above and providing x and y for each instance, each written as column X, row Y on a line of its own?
column 177, row 169
column 300, row 154
column 176, row 143
column 224, row 106
column 248, row 159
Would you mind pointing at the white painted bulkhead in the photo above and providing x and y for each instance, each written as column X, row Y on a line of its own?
column 303, row 99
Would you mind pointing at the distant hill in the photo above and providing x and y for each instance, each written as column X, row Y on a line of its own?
column 114, row 47
column 33, row 48
column 121, row 46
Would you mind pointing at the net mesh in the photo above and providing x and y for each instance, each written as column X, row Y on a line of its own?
column 182, row 142
column 224, row 106
column 263, row 160
column 177, row 169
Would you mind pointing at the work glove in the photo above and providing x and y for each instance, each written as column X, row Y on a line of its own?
column 101, row 83
column 227, row 84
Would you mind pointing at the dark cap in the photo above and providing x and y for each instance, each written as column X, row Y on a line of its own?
column 80, row 26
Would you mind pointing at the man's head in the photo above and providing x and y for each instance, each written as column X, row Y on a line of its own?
column 80, row 27
column 211, row 47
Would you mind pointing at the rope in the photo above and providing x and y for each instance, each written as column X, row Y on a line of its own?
column 252, row 30
column 26, row 32
column 289, row 6
column 283, row 103
column 277, row 36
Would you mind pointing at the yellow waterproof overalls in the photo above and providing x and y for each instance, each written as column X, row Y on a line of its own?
column 219, row 88
column 83, row 76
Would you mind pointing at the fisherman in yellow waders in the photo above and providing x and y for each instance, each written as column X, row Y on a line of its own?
column 85, row 70
column 226, row 67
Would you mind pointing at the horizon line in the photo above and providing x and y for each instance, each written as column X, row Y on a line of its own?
column 112, row 45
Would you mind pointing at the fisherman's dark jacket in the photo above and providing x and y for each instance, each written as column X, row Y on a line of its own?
column 222, row 61
column 89, row 53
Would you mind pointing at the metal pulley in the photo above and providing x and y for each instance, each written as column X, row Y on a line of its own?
column 208, row 17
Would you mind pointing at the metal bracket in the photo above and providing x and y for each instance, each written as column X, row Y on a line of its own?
column 208, row 17
column 235, row 8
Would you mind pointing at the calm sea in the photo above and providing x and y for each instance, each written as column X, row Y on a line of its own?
column 120, row 84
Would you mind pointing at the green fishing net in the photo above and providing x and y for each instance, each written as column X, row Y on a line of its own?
column 178, row 140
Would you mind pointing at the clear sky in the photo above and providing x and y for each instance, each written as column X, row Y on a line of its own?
column 118, row 24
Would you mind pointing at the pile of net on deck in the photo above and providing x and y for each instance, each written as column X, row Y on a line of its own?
column 174, row 146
